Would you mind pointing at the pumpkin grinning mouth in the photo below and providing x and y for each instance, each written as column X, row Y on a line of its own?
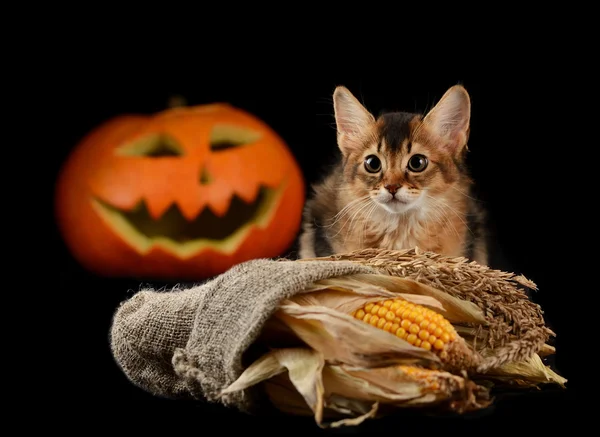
column 184, row 237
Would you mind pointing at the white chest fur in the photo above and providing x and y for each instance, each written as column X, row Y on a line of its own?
column 400, row 231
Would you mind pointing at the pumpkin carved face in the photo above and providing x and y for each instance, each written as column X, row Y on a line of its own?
column 185, row 193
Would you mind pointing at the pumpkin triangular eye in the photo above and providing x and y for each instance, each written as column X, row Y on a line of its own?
column 152, row 146
column 227, row 136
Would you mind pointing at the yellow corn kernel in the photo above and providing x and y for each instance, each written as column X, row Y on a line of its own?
column 431, row 380
column 416, row 324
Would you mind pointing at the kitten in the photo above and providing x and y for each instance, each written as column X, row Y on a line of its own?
column 401, row 183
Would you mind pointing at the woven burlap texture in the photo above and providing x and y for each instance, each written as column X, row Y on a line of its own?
column 190, row 343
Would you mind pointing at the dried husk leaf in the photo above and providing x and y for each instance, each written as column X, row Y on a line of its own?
column 340, row 380
column 531, row 371
column 346, row 301
column 313, row 387
column 348, row 283
column 338, row 410
column 304, row 368
column 340, row 404
column 323, row 292
column 285, row 397
column 435, row 386
column 305, row 374
column 264, row 368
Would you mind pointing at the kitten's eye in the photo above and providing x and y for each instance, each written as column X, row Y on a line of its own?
column 372, row 164
column 417, row 163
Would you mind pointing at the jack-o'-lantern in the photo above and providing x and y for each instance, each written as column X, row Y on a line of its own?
column 185, row 193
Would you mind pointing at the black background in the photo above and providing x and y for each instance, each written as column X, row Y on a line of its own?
column 519, row 119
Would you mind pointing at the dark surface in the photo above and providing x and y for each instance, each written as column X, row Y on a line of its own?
column 510, row 139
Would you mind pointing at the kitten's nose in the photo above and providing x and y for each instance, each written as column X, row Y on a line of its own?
column 392, row 188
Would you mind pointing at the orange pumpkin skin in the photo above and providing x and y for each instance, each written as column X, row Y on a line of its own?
column 97, row 173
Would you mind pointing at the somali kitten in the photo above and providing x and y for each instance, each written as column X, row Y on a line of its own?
column 401, row 183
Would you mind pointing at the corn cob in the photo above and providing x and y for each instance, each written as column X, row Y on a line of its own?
column 447, row 384
column 416, row 324
column 431, row 379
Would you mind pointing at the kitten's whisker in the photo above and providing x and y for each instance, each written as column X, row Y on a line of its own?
column 441, row 220
column 366, row 220
column 355, row 203
column 454, row 211
column 345, row 210
column 444, row 217
column 352, row 219
column 427, row 219
column 464, row 194
column 350, row 205
column 360, row 208
column 349, row 189
column 441, row 215
column 450, row 224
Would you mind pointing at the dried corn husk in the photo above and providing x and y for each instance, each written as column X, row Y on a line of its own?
column 300, row 381
column 325, row 363
column 511, row 316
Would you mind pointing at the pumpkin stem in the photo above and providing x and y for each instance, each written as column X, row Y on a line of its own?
column 176, row 101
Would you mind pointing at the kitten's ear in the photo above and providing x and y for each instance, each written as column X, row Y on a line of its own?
column 450, row 118
column 353, row 120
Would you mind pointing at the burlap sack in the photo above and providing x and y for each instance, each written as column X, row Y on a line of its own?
column 191, row 343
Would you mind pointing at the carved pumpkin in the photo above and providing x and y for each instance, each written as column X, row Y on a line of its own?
column 185, row 194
